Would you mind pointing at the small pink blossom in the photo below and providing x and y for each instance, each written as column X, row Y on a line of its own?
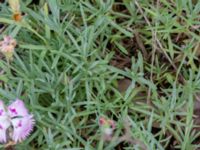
column 7, row 46
column 16, row 116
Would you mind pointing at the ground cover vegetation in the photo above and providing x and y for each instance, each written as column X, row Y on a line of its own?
column 105, row 74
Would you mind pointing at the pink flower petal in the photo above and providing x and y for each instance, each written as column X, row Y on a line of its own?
column 22, row 127
column 102, row 121
column 17, row 108
column 2, row 109
column 4, row 124
column 7, row 38
column 111, row 123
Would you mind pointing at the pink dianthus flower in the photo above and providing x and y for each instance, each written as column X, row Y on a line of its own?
column 16, row 116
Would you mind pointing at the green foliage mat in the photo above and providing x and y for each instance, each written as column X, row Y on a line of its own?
column 133, row 61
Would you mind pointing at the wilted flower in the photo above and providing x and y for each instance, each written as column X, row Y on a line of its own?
column 17, row 118
column 15, row 7
column 107, row 127
column 7, row 46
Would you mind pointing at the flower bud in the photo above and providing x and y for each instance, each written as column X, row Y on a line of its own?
column 107, row 126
